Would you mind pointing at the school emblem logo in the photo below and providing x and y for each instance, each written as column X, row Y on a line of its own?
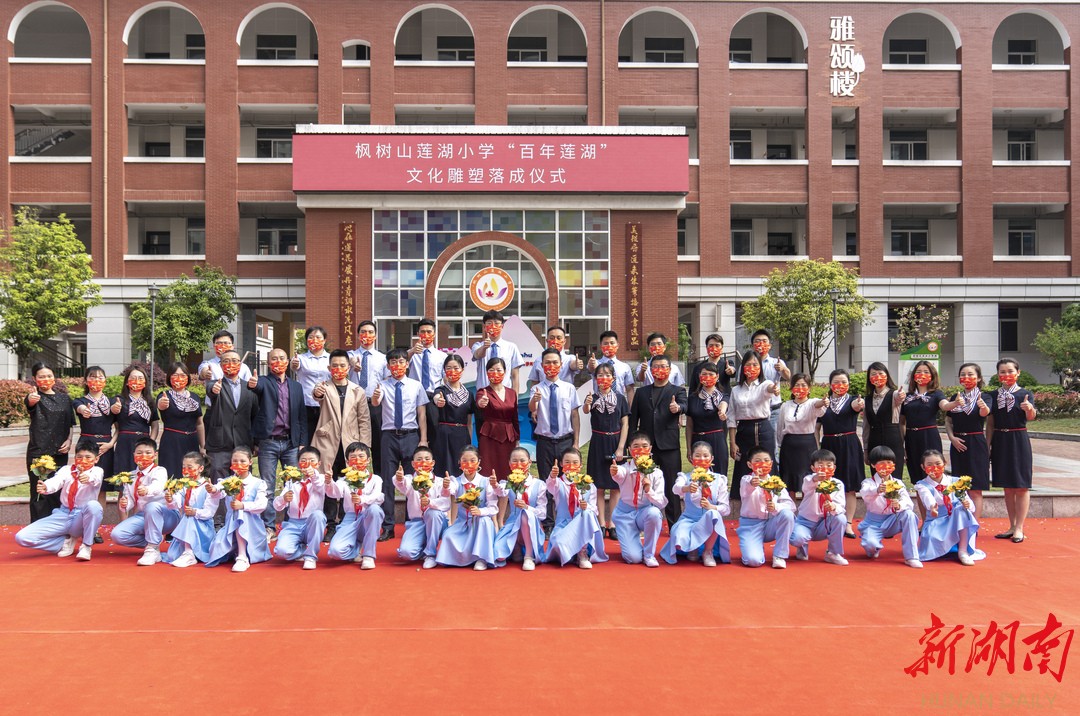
column 491, row 289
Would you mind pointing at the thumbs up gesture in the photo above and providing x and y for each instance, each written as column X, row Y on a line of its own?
column 592, row 362
column 446, row 481
column 555, row 469
column 439, row 400
column 377, row 395
column 399, row 474
column 163, row 401
column 588, row 402
column 674, row 406
column 294, row 363
column 858, row 404
column 115, row 409
column 34, row 398
column 614, row 469
column 483, row 400
column 253, row 381
column 216, row 390
column 493, row 479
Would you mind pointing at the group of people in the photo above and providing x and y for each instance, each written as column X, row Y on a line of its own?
column 376, row 417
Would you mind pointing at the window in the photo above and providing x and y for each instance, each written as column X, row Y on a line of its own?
column 910, row 237
column 196, row 46
column 273, row 143
column 1021, row 52
column 740, row 50
column 452, row 48
column 851, row 244
column 778, row 151
column 156, row 56
column 680, row 236
column 1009, row 329
column 194, row 141
column 358, row 52
column 742, row 237
column 277, row 237
column 155, row 243
column 781, row 244
column 196, row 236
column 1021, row 145
column 1022, row 237
column 741, row 147
column 850, row 151
column 526, row 49
column 907, row 52
column 664, row 49
column 156, row 149
column 908, row 145
column 275, row 47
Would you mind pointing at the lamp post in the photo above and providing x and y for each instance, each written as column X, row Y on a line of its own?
column 834, row 294
column 153, row 325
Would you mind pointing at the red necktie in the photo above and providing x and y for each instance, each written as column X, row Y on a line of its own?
column 822, row 498
column 945, row 499
column 187, row 496
column 637, row 488
column 303, row 497
column 72, row 489
column 135, row 490
column 573, row 498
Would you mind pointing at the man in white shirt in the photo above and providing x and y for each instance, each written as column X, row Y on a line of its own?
column 210, row 369
column 368, row 370
column 425, row 367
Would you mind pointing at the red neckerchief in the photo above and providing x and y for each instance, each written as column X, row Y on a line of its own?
column 945, row 499
column 304, row 496
column 73, row 488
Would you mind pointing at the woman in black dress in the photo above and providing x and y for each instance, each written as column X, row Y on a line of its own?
column 1011, row 407
column 706, row 417
column 181, row 413
column 136, row 417
column 966, row 427
column 609, row 415
column 51, row 421
column 455, row 405
column 839, row 436
column 881, row 418
column 97, row 423
column 796, row 431
column 918, row 416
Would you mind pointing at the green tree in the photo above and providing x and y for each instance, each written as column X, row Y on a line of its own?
column 189, row 313
column 797, row 309
column 1060, row 342
column 46, row 282
column 918, row 323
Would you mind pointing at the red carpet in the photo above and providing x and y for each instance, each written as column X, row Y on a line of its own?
column 817, row 639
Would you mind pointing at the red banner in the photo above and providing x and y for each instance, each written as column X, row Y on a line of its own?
column 347, row 270
column 486, row 163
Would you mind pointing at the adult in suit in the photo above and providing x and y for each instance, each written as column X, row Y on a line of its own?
column 655, row 412
column 343, row 420
column 279, row 425
column 228, row 420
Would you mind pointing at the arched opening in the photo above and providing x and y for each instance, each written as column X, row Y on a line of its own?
column 49, row 30
column 356, row 51
column 277, row 31
column 548, row 34
column 165, row 31
column 658, row 35
column 1030, row 38
column 920, row 38
column 434, row 33
column 767, row 36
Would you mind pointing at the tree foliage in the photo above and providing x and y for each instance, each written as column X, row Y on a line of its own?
column 189, row 313
column 1060, row 342
column 919, row 323
column 46, row 282
column 797, row 309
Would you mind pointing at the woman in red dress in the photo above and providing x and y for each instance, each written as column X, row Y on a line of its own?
column 499, row 431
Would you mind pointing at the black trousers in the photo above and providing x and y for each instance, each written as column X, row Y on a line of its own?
column 670, row 463
column 397, row 449
column 548, row 451
column 43, row 505
column 332, row 505
column 312, row 422
column 375, row 411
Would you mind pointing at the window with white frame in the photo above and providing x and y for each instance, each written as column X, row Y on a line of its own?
column 277, row 237
column 909, row 237
column 156, row 243
column 1021, row 145
column 1021, row 52
column 273, row 142
column 908, row 145
column 196, row 236
column 740, row 49
column 742, row 237
column 665, row 49
column 1022, row 237
column 455, row 48
column 195, row 46
column 740, row 144
column 1008, row 329
column 907, row 52
column 526, row 49
column 275, row 47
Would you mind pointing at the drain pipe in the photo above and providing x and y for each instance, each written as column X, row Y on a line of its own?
column 603, row 63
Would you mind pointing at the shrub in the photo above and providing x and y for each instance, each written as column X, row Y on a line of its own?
column 1052, row 405
column 12, row 408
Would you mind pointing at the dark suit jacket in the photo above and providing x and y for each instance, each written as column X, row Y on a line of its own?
column 227, row 424
column 660, row 423
column 267, row 390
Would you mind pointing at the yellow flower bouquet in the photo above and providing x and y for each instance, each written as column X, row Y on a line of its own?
column 644, row 464
column 421, row 483
column 232, row 486
column 120, row 478
column 355, row 479
column 893, row 489
column 826, row 487
column 772, row 484
column 181, row 484
column 516, row 481
column 701, row 477
column 43, row 466
column 582, row 482
column 959, row 487
column 291, row 473
column 471, row 498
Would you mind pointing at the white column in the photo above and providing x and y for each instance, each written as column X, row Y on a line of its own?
column 975, row 337
column 872, row 340
column 108, row 337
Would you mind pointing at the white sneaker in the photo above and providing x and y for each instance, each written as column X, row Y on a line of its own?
column 68, row 549
column 151, row 555
column 835, row 559
column 241, row 565
column 309, row 563
column 430, row 563
column 913, row 563
column 528, row 565
column 802, row 553
column 651, row 562
column 779, row 563
column 480, row 566
column 965, row 559
column 358, row 558
column 187, row 559
column 271, row 534
column 84, row 553
column 367, row 563
column 583, row 561
column 872, row 553
column 708, row 560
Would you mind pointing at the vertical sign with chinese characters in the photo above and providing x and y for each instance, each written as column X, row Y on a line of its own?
column 634, row 277
column 846, row 65
column 347, row 269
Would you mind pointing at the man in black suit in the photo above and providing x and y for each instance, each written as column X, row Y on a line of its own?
column 228, row 419
column 655, row 411
column 279, row 425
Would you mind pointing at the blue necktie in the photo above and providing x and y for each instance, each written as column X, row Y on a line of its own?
column 494, row 350
column 397, row 406
column 363, row 370
column 424, row 377
column 553, row 411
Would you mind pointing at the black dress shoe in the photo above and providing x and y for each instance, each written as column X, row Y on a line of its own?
column 98, row 538
column 386, row 535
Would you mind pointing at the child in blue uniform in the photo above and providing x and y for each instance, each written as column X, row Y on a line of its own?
column 577, row 530
column 427, row 510
column 193, row 535
column 763, row 516
column 145, row 497
column 700, row 531
column 821, row 515
column 522, row 532
column 359, row 530
column 641, row 499
column 243, row 536
column 301, row 536
column 950, row 523
column 471, row 539
column 888, row 517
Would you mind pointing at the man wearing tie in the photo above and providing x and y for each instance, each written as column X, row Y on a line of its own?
column 368, row 370
column 404, row 426
column 211, row 368
column 655, row 412
column 229, row 418
column 554, row 403
column 425, row 367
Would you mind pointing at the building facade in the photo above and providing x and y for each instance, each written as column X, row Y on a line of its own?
column 926, row 144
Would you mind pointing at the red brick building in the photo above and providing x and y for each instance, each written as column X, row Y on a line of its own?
column 927, row 144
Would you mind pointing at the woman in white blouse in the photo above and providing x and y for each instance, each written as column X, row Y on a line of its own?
column 748, row 416
column 796, row 431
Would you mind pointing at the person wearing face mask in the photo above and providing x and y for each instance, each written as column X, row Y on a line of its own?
column 210, row 369
column 950, row 521
column 279, row 424
column 657, row 343
column 79, row 514
column 181, row 414
column 1011, row 407
column 918, row 416
column 838, row 435
column 772, row 368
column 887, row 516
column 571, row 364
column 748, row 416
column 369, row 369
column 700, row 532
column 97, row 423
column 881, row 418
column 51, row 421
column 302, row 498
column 343, row 420
column 706, row 416
column 797, row 430
column 610, row 419
column 555, row 404
column 495, row 346
column 763, row 515
column 426, row 368
column 455, row 405
column 359, row 530
column 228, row 420
column 499, row 431
column 609, row 355
column 966, row 427
column 655, row 412
column 714, row 354
column 136, row 417
column 145, row 515
column 821, row 513
column 311, row 369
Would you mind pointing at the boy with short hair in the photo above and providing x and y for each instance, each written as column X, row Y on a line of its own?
column 641, row 499
column 153, row 518
column 821, row 514
column 763, row 516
